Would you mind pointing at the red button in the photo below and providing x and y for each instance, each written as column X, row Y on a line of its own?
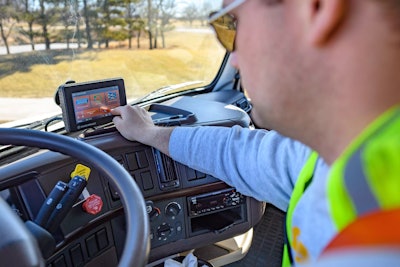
column 93, row 204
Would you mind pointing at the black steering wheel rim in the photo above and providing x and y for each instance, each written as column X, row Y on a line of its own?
column 136, row 246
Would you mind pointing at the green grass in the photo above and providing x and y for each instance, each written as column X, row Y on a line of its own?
column 188, row 56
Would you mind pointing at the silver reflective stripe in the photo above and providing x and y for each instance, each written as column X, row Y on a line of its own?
column 357, row 185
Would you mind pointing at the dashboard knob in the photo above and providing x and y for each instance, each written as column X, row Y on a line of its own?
column 172, row 209
column 164, row 230
column 152, row 211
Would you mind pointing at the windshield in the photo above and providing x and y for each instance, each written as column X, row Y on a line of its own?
column 151, row 44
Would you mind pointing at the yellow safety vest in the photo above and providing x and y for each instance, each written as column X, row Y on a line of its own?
column 365, row 178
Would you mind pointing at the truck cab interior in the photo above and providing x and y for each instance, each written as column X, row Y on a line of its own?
column 74, row 192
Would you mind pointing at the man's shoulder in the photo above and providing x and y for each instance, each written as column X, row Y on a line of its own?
column 382, row 154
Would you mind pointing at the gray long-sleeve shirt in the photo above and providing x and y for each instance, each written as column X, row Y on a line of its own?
column 264, row 165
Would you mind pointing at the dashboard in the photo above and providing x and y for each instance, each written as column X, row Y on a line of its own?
column 187, row 209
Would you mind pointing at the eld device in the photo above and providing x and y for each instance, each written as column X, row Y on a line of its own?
column 89, row 104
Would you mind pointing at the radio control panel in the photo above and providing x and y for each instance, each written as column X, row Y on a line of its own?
column 215, row 201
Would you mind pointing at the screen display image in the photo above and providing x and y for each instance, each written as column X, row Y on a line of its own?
column 94, row 104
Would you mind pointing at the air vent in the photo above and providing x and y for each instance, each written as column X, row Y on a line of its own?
column 166, row 171
column 169, row 169
column 244, row 104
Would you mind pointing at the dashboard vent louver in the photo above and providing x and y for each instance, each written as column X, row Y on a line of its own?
column 169, row 169
column 244, row 104
column 166, row 171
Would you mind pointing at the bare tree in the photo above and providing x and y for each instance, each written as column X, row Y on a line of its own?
column 29, row 15
column 139, row 26
column 8, row 19
column 150, row 22
column 156, row 15
column 68, row 18
column 204, row 12
column 134, row 22
column 190, row 12
column 77, row 20
column 86, row 14
column 167, row 12
column 46, row 18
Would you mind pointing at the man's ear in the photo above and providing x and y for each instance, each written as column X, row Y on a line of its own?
column 325, row 16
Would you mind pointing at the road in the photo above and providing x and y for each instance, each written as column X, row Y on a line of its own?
column 14, row 49
column 22, row 108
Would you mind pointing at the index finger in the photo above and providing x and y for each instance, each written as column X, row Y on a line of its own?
column 116, row 111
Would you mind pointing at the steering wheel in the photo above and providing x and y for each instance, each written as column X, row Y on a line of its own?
column 136, row 246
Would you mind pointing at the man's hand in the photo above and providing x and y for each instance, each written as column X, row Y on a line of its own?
column 135, row 124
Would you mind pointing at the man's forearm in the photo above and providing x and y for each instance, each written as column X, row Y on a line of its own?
column 159, row 138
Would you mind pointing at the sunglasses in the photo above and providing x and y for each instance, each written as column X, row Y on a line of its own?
column 224, row 25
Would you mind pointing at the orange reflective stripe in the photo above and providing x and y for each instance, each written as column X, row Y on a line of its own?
column 374, row 229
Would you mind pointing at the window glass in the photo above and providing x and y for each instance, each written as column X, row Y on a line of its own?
column 149, row 43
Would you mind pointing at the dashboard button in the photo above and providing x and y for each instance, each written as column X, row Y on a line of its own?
column 102, row 239
column 76, row 255
column 91, row 245
column 147, row 180
column 93, row 204
column 142, row 159
column 59, row 262
column 132, row 162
